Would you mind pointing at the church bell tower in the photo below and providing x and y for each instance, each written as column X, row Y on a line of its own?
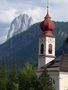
column 46, row 51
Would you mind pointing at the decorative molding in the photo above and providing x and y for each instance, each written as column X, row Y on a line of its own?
column 47, row 56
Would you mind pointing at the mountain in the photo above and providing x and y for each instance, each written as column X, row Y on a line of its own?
column 19, row 24
column 24, row 46
column 63, row 49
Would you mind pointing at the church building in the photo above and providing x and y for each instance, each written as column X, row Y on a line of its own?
column 57, row 66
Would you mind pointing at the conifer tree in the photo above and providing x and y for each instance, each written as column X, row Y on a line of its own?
column 13, row 79
column 3, row 75
column 28, row 79
column 46, row 81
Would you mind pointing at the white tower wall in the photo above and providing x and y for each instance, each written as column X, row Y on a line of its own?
column 46, row 57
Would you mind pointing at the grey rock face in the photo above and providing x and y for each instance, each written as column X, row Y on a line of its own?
column 19, row 24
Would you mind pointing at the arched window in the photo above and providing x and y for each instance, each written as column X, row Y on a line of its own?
column 42, row 48
column 50, row 49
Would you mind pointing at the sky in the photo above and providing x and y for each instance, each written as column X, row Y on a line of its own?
column 9, row 9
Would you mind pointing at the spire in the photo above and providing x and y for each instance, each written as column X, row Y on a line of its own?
column 47, row 5
column 47, row 15
column 47, row 25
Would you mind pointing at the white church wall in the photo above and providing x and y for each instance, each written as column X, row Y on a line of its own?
column 63, row 81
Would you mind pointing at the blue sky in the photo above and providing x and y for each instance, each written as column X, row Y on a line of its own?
column 9, row 9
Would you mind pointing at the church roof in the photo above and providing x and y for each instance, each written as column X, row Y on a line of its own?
column 61, row 62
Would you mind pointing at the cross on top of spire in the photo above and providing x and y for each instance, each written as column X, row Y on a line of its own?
column 47, row 15
column 47, row 4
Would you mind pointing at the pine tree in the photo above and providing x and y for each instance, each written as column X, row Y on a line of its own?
column 28, row 79
column 46, row 81
column 13, row 79
column 3, row 75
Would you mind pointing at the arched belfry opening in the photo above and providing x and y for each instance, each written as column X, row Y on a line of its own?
column 42, row 48
column 50, row 49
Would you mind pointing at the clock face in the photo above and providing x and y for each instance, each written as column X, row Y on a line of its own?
column 50, row 40
column 42, row 40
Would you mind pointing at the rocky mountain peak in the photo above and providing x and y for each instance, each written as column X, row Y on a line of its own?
column 19, row 24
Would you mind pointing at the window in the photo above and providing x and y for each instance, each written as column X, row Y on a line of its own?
column 50, row 49
column 42, row 48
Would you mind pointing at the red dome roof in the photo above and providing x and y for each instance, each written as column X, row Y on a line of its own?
column 47, row 24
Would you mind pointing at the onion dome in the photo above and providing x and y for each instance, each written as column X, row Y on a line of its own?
column 47, row 26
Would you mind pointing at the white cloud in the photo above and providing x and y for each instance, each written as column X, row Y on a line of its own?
column 58, row 1
column 7, row 15
column 36, row 13
column 58, row 8
column 9, row 9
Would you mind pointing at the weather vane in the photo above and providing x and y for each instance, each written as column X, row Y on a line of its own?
column 47, row 4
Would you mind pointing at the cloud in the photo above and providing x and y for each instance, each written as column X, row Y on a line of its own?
column 36, row 13
column 9, row 9
column 36, row 8
column 7, row 15
column 58, row 10
column 33, row 2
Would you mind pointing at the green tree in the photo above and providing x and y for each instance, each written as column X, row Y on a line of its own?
column 46, row 81
column 28, row 79
column 3, row 75
column 13, row 78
